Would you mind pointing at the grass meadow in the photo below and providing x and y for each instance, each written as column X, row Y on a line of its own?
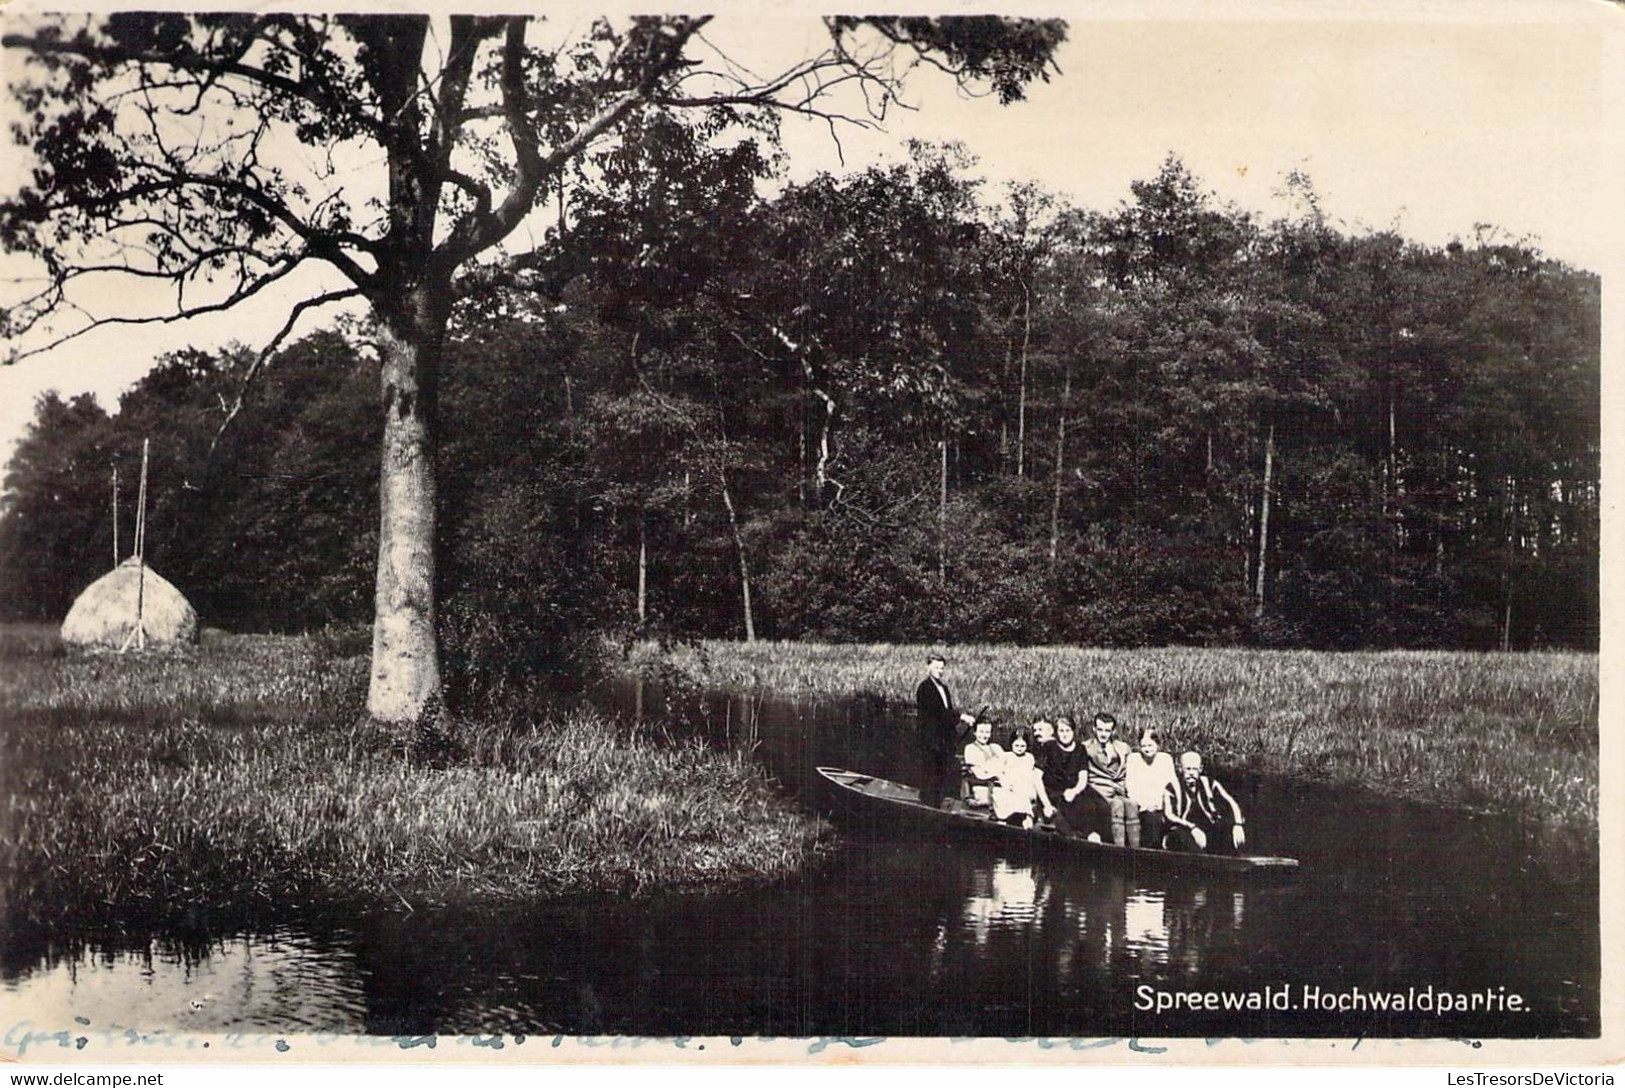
column 1511, row 733
column 238, row 775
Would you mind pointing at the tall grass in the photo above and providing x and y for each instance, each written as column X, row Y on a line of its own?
column 1496, row 732
column 238, row 775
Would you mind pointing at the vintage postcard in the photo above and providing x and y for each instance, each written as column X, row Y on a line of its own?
column 1068, row 534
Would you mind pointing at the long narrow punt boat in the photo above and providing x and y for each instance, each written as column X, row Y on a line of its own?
column 874, row 799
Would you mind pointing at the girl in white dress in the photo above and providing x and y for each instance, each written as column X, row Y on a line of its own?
column 1018, row 786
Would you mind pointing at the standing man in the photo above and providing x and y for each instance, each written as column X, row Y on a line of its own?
column 938, row 723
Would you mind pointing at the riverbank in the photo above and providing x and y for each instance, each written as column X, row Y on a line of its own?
column 235, row 774
column 1503, row 733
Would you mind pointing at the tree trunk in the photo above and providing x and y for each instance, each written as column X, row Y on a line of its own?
column 801, row 437
column 1060, row 471
column 739, row 547
column 1384, row 473
column 801, row 462
column 1394, row 486
column 643, row 568
column 1249, row 533
column 1004, row 410
column 1021, row 402
column 942, row 515
column 405, row 654
column 1264, row 519
column 1511, row 530
column 821, row 466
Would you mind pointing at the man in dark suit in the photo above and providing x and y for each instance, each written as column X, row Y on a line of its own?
column 938, row 732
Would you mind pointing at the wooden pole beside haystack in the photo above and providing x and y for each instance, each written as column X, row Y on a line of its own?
column 114, row 613
column 138, row 634
column 141, row 555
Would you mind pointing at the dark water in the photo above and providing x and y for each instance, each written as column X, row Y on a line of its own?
column 900, row 937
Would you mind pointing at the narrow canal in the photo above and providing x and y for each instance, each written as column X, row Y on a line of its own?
column 900, row 937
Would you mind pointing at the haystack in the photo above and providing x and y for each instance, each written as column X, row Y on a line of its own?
column 105, row 613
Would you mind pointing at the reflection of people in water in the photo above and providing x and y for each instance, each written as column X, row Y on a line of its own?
column 1201, row 922
column 1145, row 925
column 1200, row 812
column 1003, row 897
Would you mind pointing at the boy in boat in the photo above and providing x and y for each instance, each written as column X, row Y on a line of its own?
column 1018, row 785
column 981, row 759
column 1108, row 781
column 1201, row 814
column 1150, row 775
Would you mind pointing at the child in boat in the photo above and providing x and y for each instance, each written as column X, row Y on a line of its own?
column 1150, row 774
column 981, row 758
column 1200, row 812
column 1016, row 789
column 1108, row 782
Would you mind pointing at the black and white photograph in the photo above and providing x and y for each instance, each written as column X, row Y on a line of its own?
column 808, row 534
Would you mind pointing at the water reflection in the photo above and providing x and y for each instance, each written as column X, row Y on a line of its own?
column 1145, row 927
column 1003, row 895
column 279, row 980
column 1202, row 922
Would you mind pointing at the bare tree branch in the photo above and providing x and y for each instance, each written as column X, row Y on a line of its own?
column 240, row 294
column 202, row 66
column 270, row 349
column 476, row 234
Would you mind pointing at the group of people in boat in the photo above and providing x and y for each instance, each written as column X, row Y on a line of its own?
column 1095, row 785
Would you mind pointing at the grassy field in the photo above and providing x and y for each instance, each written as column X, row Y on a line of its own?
column 237, row 775
column 1495, row 732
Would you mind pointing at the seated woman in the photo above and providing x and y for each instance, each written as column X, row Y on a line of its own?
column 1150, row 774
column 1019, row 782
column 1065, row 780
column 1201, row 814
column 981, row 758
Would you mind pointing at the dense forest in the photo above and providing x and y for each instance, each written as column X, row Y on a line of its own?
column 897, row 405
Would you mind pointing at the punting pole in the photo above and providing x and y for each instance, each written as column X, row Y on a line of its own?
column 115, row 515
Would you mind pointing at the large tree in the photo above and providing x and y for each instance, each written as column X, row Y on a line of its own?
column 219, row 155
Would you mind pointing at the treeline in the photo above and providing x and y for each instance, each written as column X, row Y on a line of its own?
column 896, row 406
